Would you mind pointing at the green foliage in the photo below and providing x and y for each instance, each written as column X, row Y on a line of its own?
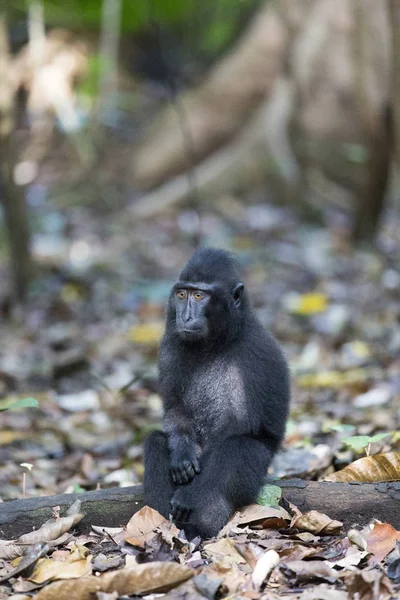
column 220, row 23
column 207, row 27
column 270, row 496
column 359, row 442
column 136, row 14
column 89, row 86
column 77, row 489
column 18, row 403
column 216, row 36
column 339, row 427
column 355, row 153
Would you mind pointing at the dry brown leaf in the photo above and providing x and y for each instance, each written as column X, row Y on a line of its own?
column 10, row 550
column 47, row 569
column 251, row 552
column 368, row 585
column 353, row 558
column 31, row 555
column 110, row 531
column 233, row 577
column 53, row 528
column 150, row 577
column 106, row 596
column 307, row 537
column 231, row 525
column 274, row 523
column 303, row 571
column 224, row 551
column 294, row 551
column 324, row 591
column 381, row 467
column 255, row 512
column 141, row 527
column 381, row 540
column 168, row 531
column 317, row 523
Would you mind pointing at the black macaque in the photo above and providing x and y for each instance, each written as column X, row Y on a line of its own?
column 225, row 388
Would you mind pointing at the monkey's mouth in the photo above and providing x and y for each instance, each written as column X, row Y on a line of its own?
column 192, row 333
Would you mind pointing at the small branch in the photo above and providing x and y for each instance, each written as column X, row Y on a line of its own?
column 109, row 45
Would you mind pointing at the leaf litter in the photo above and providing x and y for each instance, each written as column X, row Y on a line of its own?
column 335, row 311
column 251, row 560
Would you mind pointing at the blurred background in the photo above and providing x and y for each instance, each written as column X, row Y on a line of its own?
column 133, row 132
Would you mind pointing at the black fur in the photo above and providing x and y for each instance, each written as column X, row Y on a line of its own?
column 225, row 388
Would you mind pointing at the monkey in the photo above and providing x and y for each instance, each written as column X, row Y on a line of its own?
column 225, row 388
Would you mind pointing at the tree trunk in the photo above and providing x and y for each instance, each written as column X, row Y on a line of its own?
column 12, row 197
column 376, row 128
column 394, row 21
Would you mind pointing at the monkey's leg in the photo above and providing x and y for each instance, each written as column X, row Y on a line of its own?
column 232, row 474
column 158, row 487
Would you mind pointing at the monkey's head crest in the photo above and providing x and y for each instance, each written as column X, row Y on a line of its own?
column 210, row 265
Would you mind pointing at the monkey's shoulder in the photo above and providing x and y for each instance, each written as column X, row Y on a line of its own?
column 260, row 345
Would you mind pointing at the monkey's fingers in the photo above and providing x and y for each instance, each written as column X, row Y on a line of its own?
column 184, row 514
column 179, row 476
column 174, row 475
column 196, row 465
column 183, row 473
column 179, row 512
column 188, row 469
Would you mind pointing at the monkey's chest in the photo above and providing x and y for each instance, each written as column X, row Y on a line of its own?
column 215, row 401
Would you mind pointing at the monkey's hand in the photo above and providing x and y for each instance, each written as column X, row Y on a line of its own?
column 181, row 506
column 184, row 465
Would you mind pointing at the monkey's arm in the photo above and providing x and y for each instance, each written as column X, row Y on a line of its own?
column 182, row 446
column 232, row 473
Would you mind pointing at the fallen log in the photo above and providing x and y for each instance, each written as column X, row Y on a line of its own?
column 352, row 503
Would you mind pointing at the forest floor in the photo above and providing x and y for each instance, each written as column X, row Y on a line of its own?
column 85, row 349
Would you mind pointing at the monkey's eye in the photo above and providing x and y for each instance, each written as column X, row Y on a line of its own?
column 199, row 295
column 181, row 294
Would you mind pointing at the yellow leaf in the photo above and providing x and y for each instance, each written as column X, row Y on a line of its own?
column 47, row 569
column 333, row 379
column 150, row 577
column 8, row 436
column 146, row 333
column 71, row 293
column 372, row 469
column 307, row 304
column 360, row 349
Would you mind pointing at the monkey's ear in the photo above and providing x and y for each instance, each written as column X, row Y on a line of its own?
column 237, row 293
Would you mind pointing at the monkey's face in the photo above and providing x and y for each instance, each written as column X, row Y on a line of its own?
column 205, row 311
column 192, row 312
